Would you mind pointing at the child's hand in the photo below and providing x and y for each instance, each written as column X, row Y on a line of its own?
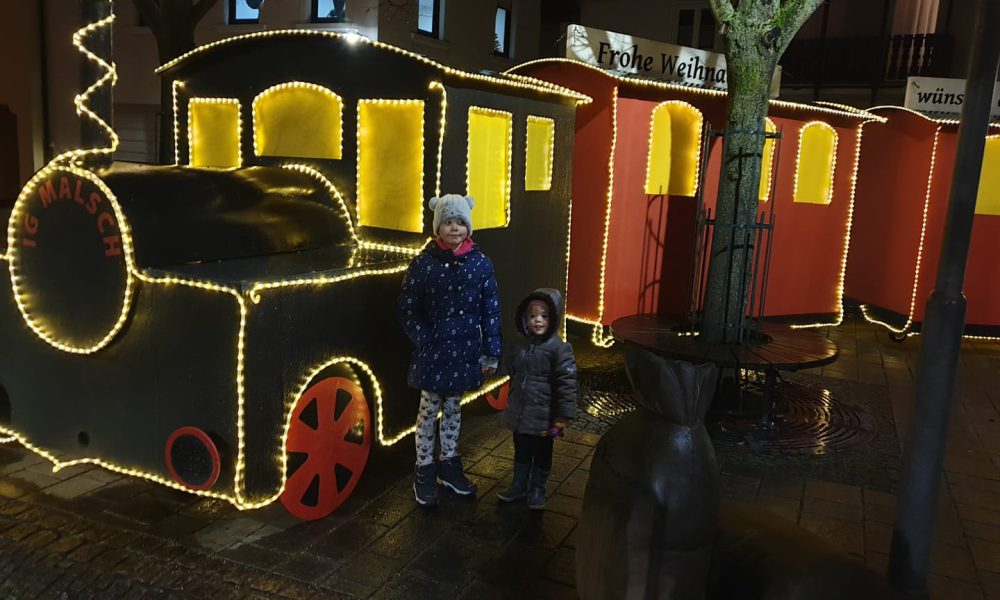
column 556, row 430
column 488, row 370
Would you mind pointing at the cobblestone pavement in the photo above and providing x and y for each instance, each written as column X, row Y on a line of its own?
column 88, row 533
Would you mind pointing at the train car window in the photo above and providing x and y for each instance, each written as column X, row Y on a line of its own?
column 767, row 162
column 297, row 119
column 815, row 164
column 658, row 157
column 988, row 199
column 488, row 167
column 539, row 151
column 391, row 164
column 214, row 132
column 672, row 164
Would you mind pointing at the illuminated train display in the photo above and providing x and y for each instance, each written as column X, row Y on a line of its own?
column 226, row 325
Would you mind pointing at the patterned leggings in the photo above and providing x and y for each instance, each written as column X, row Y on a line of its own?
column 451, row 423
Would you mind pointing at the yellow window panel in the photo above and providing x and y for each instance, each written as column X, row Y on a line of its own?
column 988, row 199
column 488, row 168
column 539, row 151
column 391, row 164
column 815, row 163
column 685, row 148
column 297, row 119
column 767, row 162
column 658, row 157
column 214, row 132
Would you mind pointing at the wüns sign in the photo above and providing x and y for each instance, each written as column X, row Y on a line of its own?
column 943, row 97
column 629, row 55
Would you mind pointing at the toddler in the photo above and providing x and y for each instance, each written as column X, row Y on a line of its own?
column 542, row 397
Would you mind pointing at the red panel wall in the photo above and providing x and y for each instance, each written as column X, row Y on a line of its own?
column 808, row 242
column 591, row 153
column 888, row 210
column 982, row 275
column 651, row 237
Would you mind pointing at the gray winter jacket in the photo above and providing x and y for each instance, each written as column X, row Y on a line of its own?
column 542, row 372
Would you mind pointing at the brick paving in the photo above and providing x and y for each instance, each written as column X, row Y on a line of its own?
column 87, row 533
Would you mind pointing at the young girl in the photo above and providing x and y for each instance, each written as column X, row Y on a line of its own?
column 450, row 311
column 542, row 397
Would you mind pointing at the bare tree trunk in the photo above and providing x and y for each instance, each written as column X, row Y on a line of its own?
column 755, row 34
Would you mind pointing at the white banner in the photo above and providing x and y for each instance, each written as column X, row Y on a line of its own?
column 629, row 55
column 941, row 96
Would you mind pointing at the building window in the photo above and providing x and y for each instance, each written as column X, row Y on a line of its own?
column 240, row 12
column 429, row 17
column 815, row 164
column 988, row 199
column 539, row 151
column 706, row 29
column 685, row 27
column 297, row 119
column 214, row 132
column 488, row 175
column 674, row 149
column 328, row 11
column 696, row 28
column 767, row 162
column 391, row 164
column 501, row 32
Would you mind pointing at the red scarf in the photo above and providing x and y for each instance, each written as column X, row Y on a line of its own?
column 464, row 247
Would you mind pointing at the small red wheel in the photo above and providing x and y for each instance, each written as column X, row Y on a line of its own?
column 499, row 400
column 329, row 439
column 192, row 458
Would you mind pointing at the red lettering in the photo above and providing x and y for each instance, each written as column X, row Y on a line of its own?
column 47, row 193
column 112, row 245
column 64, row 192
column 95, row 199
column 77, row 197
column 30, row 224
column 105, row 220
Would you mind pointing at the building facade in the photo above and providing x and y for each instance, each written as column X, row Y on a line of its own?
column 42, row 76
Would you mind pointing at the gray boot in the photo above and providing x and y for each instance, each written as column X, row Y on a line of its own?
column 536, row 489
column 519, row 486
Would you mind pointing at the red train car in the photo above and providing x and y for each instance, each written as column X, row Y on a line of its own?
column 638, row 170
column 904, row 180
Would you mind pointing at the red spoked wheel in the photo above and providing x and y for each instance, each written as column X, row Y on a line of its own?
column 498, row 398
column 329, row 440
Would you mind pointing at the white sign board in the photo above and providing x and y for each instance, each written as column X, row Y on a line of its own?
column 629, row 55
column 941, row 96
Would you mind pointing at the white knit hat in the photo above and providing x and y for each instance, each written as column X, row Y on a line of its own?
column 452, row 206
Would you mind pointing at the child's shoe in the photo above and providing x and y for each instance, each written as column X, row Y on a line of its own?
column 425, row 488
column 519, row 486
column 451, row 475
column 536, row 489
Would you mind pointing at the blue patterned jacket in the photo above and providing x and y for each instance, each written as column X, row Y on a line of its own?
column 449, row 308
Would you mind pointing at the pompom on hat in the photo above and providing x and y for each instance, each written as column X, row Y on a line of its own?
column 452, row 206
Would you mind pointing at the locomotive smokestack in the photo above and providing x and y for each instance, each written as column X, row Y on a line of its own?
column 92, row 135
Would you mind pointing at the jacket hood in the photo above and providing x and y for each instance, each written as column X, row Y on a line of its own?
column 553, row 299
